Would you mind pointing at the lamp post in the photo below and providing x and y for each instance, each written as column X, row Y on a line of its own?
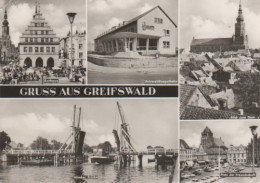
column 71, row 17
column 253, row 130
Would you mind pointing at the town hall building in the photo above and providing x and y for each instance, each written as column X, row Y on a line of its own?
column 39, row 46
column 150, row 33
column 239, row 41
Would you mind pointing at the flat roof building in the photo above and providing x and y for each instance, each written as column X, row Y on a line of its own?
column 150, row 33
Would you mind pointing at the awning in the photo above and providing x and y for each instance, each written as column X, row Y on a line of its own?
column 129, row 35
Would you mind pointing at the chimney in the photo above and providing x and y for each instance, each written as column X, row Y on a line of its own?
column 255, row 104
column 241, row 111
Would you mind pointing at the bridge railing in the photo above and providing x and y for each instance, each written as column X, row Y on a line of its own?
column 12, row 151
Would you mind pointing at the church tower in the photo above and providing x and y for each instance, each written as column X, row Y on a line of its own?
column 240, row 38
column 5, row 27
column 207, row 138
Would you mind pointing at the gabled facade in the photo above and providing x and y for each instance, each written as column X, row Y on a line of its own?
column 150, row 33
column 39, row 46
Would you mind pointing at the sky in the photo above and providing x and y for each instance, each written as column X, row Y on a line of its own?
column 232, row 132
column 20, row 13
column 104, row 14
column 212, row 19
column 152, row 121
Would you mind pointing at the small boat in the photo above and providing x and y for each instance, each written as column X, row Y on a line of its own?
column 37, row 162
column 102, row 159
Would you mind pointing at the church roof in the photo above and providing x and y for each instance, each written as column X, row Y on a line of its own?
column 212, row 41
column 207, row 131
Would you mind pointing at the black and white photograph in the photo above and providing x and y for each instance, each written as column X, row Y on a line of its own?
column 219, row 59
column 212, row 151
column 89, row 140
column 43, row 42
column 132, row 42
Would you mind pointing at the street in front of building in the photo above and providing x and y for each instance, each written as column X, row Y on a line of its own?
column 210, row 154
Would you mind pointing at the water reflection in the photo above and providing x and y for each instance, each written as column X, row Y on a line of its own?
column 132, row 173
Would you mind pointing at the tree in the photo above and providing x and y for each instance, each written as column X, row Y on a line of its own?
column 55, row 145
column 40, row 144
column 106, row 147
column 87, row 148
column 5, row 140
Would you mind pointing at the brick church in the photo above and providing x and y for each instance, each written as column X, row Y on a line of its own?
column 239, row 41
column 8, row 52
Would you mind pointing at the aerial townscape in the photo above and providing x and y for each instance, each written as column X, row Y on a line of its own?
column 216, row 161
column 219, row 77
column 41, row 56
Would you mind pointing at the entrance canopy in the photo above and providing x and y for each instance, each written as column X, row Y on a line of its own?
column 129, row 35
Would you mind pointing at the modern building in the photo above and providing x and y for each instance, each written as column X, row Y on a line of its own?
column 211, row 148
column 152, row 32
column 8, row 51
column 237, row 154
column 39, row 46
column 239, row 41
column 78, row 47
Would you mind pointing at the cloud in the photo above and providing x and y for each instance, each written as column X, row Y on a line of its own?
column 210, row 18
column 108, row 6
column 233, row 132
column 98, row 28
column 145, row 8
column 54, row 15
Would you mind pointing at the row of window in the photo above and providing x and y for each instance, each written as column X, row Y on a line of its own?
column 236, row 155
column 36, row 40
column 39, row 24
column 36, row 49
column 166, row 44
column 158, row 20
column 39, row 32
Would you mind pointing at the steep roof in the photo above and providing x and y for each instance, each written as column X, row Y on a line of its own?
column 138, row 17
column 184, row 144
column 186, row 92
column 212, row 41
column 207, row 131
column 194, row 112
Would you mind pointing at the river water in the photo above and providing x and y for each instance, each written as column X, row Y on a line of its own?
column 104, row 173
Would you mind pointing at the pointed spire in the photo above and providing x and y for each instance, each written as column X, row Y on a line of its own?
column 36, row 5
column 240, row 17
column 5, row 16
column 39, row 8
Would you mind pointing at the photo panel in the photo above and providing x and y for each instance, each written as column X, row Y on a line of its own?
column 43, row 42
column 219, row 151
column 134, row 42
column 89, row 140
column 219, row 68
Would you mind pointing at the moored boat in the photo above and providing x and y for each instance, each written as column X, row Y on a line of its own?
column 37, row 162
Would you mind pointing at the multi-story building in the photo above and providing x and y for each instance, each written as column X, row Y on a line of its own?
column 186, row 153
column 8, row 51
column 39, row 46
column 78, row 54
column 150, row 33
column 237, row 154
column 239, row 41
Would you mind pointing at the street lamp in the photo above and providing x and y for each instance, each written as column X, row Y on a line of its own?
column 253, row 130
column 71, row 17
